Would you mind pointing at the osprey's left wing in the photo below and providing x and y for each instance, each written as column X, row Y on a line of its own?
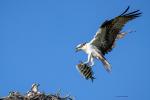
column 108, row 31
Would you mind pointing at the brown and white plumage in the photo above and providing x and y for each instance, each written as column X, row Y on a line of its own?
column 109, row 30
column 107, row 34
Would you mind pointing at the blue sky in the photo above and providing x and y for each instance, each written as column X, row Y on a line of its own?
column 37, row 41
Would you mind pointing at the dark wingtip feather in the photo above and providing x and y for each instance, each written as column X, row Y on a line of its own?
column 133, row 13
column 125, row 11
column 137, row 15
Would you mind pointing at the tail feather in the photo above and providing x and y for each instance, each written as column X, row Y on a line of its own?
column 106, row 64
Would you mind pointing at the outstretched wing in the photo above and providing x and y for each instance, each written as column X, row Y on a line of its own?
column 108, row 31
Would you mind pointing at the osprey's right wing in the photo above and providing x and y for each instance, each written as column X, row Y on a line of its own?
column 107, row 33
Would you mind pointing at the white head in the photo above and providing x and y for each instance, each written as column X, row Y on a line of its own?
column 34, row 85
column 80, row 47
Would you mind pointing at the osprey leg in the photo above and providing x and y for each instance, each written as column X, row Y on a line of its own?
column 90, row 61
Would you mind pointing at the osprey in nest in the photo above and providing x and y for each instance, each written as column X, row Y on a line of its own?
column 105, row 38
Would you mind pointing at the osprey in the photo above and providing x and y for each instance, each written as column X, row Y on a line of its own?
column 34, row 88
column 105, row 38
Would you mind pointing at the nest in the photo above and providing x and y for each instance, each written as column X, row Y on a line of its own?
column 35, row 96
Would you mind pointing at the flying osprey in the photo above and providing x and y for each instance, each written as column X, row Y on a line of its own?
column 105, row 38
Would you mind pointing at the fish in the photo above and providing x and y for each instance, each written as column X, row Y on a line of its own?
column 86, row 71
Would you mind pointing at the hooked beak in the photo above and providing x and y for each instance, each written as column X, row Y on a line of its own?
column 77, row 49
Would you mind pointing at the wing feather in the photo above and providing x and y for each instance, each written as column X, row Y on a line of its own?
column 107, row 33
